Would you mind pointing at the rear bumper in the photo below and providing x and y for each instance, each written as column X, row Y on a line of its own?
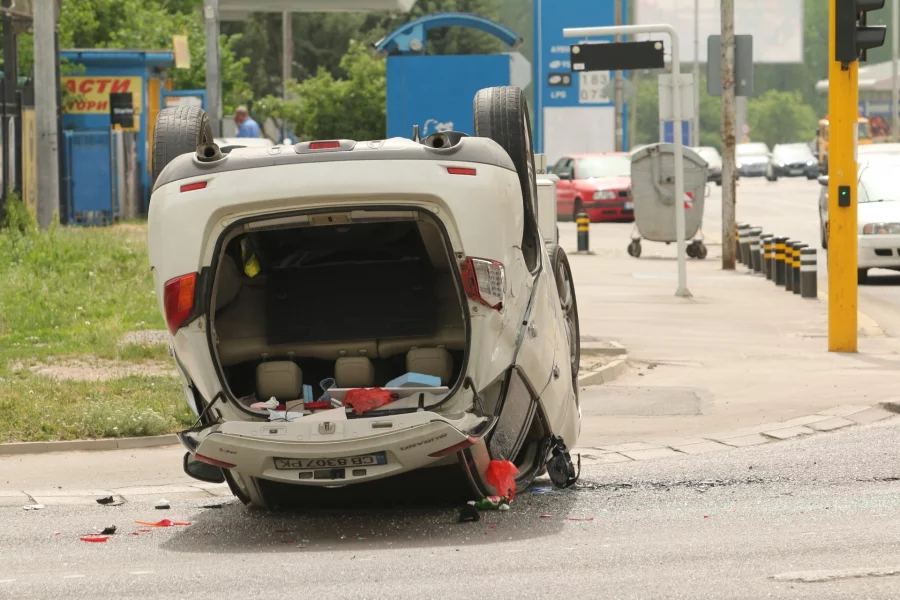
column 305, row 445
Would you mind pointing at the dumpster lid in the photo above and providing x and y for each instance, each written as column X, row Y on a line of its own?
column 689, row 153
column 546, row 179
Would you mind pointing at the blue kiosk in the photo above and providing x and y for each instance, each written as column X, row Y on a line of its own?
column 436, row 92
column 86, row 125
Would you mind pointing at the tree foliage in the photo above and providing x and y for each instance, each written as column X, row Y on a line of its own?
column 776, row 117
column 323, row 107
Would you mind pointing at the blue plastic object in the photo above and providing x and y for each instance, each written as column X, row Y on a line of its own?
column 414, row 380
column 307, row 394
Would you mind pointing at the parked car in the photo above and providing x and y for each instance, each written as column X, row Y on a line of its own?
column 714, row 160
column 792, row 160
column 399, row 310
column 882, row 152
column 878, row 210
column 596, row 184
column 751, row 159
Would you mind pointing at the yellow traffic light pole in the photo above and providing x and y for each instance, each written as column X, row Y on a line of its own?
column 843, row 111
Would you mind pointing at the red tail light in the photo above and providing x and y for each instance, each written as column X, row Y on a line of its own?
column 329, row 145
column 470, row 441
column 190, row 187
column 178, row 298
column 214, row 462
column 484, row 281
column 461, row 171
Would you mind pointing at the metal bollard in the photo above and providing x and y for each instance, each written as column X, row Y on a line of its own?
column 780, row 243
column 767, row 253
column 808, row 273
column 745, row 244
column 789, row 266
column 754, row 249
column 737, row 241
column 584, row 227
column 798, row 251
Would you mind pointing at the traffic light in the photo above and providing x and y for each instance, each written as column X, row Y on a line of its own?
column 852, row 36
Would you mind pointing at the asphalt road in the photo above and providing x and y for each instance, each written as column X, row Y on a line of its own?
column 814, row 518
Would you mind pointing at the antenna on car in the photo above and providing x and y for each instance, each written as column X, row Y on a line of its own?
column 416, row 137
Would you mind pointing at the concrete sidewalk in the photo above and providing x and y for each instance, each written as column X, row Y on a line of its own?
column 740, row 355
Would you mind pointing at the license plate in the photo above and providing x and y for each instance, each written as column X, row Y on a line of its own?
column 364, row 460
column 629, row 205
column 796, row 171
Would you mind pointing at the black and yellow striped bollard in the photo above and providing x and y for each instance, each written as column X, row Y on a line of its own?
column 767, row 253
column 779, row 260
column 798, row 252
column 789, row 265
column 584, row 231
column 737, row 241
column 808, row 273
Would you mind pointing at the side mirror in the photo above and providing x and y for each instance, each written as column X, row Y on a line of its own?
column 823, row 180
column 202, row 471
column 564, row 176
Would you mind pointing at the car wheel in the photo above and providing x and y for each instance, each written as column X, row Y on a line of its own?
column 565, row 285
column 824, row 237
column 579, row 208
column 862, row 276
column 179, row 130
column 501, row 114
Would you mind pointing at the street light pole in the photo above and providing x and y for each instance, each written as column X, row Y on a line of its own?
column 677, row 121
column 45, row 88
column 696, row 136
column 895, row 49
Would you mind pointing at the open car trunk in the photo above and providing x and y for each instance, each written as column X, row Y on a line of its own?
column 359, row 297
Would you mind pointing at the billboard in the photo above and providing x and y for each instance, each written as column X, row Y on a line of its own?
column 776, row 26
column 572, row 111
column 94, row 93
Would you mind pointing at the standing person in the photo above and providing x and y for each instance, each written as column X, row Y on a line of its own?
column 246, row 126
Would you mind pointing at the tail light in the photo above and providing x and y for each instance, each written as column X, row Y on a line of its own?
column 484, row 281
column 190, row 187
column 178, row 298
column 329, row 145
column 461, row 171
column 466, row 443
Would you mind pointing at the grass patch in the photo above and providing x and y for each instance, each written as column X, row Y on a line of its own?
column 35, row 408
column 141, row 352
column 74, row 290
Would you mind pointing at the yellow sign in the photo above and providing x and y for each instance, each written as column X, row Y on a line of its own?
column 94, row 93
column 29, row 160
column 182, row 52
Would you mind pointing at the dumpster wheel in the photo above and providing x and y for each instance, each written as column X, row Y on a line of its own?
column 634, row 248
column 697, row 249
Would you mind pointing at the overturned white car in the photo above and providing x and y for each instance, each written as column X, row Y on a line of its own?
column 344, row 311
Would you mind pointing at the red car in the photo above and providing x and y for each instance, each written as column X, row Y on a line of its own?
column 596, row 184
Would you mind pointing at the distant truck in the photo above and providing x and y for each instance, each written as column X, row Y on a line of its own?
column 863, row 133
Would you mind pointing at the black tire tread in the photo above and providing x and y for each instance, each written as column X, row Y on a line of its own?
column 179, row 130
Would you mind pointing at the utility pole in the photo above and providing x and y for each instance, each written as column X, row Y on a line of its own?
column 695, row 137
column 45, row 95
column 213, row 77
column 287, row 60
column 728, row 164
column 619, row 100
column 895, row 91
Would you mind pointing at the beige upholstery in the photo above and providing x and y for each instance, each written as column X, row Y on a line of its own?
column 281, row 379
column 436, row 362
column 228, row 283
column 241, row 324
column 354, row 372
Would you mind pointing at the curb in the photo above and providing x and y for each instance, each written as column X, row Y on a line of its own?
column 155, row 441
column 599, row 349
column 605, row 374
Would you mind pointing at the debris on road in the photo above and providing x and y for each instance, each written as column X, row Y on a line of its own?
column 33, row 506
column 469, row 514
column 546, row 516
column 574, row 519
column 491, row 503
column 212, row 506
column 540, row 490
column 164, row 523
column 502, row 475
column 93, row 537
column 111, row 530
column 110, row 501
column 162, row 504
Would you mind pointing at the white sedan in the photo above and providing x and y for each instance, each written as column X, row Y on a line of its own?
column 878, row 210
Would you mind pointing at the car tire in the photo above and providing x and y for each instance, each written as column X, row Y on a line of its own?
column 579, row 208
column 247, row 489
column 179, row 130
column 565, row 287
column 862, row 276
column 501, row 114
